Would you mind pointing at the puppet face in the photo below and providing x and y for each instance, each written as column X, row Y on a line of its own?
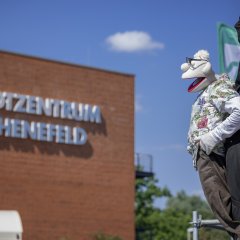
column 199, row 68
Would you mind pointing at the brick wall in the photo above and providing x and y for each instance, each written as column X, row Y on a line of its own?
column 66, row 190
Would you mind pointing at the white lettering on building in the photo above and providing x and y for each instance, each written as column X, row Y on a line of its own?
column 40, row 131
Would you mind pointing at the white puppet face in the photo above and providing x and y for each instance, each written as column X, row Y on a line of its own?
column 199, row 68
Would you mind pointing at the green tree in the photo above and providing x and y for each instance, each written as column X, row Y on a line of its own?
column 103, row 236
column 186, row 204
column 147, row 215
column 172, row 224
column 178, row 214
column 173, row 221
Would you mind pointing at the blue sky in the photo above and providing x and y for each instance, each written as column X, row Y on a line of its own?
column 148, row 38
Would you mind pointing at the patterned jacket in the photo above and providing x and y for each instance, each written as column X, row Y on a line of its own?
column 208, row 112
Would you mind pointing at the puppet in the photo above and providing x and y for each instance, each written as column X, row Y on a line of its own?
column 215, row 117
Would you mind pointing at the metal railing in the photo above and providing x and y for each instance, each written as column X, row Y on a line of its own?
column 143, row 164
column 198, row 222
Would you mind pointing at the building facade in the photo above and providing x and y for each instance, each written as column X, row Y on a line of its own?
column 66, row 148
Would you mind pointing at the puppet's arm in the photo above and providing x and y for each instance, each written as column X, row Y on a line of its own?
column 225, row 129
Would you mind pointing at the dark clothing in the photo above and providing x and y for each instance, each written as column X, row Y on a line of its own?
column 233, row 172
column 233, row 178
column 213, row 177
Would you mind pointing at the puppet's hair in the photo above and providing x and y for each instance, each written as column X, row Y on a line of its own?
column 202, row 54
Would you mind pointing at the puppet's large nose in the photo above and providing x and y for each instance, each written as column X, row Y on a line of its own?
column 184, row 67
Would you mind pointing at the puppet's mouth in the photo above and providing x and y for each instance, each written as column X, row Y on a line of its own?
column 195, row 84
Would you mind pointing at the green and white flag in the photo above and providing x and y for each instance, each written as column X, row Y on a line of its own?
column 229, row 50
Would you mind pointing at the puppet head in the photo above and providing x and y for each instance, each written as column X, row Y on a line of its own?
column 199, row 68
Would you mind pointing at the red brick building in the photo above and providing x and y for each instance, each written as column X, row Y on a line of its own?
column 66, row 189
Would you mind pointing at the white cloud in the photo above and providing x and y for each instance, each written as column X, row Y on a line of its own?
column 132, row 41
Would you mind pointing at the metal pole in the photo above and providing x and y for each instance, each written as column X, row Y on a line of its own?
column 195, row 225
column 189, row 233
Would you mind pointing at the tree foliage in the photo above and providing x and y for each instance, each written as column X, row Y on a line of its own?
column 186, row 204
column 183, row 205
column 103, row 236
column 147, row 215
column 171, row 222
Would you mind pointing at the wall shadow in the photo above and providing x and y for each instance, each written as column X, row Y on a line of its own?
column 49, row 148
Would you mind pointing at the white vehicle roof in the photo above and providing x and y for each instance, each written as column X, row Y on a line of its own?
column 10, row 221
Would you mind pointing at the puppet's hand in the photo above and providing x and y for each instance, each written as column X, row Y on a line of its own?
column 207, row 142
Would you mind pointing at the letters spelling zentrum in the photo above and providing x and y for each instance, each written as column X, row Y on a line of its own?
column 40, row 131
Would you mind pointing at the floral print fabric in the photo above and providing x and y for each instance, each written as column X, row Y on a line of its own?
column 208, row 111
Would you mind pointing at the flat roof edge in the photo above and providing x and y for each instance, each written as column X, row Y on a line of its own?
column 64, row 63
